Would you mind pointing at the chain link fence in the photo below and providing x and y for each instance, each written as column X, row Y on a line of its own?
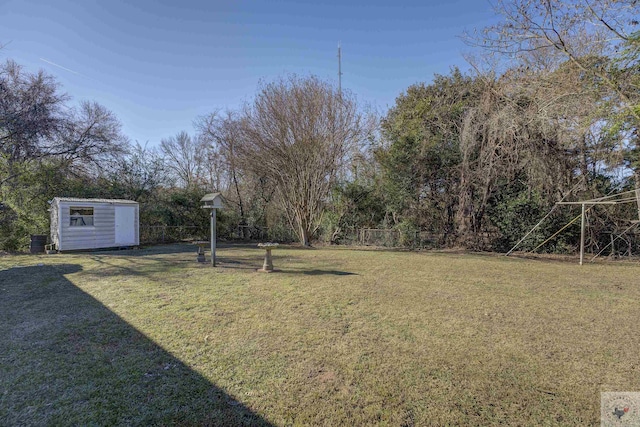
column 157, row 234
column 171, row 234
column 355, row 237
column 389, row 238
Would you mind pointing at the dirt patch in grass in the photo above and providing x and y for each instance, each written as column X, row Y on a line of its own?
column 337, row 337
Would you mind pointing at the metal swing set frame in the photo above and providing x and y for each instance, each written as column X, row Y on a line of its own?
column 614, row 199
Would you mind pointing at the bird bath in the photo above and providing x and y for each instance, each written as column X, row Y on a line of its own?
column 267, row 266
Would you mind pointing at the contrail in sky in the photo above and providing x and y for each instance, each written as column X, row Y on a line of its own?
column 59, row 66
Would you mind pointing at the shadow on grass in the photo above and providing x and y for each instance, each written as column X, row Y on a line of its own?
column 324, row 272
column 254, row 263
column 146, row 250
column 66, row 359
column 240, row 263
column 235, row 258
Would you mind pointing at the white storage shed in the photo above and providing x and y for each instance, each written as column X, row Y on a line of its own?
column 94, row 223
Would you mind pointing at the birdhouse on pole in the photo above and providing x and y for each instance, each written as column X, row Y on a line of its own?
column 212, row 201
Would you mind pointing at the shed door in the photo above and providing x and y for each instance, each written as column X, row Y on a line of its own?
column 125, row 225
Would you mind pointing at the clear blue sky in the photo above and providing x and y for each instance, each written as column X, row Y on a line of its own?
column 159, row 64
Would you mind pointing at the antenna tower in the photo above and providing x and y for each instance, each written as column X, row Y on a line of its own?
column 339, row 70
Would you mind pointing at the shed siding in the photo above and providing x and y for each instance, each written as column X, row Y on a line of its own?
column 100, row 235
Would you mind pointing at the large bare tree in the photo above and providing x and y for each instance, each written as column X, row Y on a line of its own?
column 184, row 157
column 30, row 113
column 89, row 138
column 223, row 134
column 297, row 133
column 36, row 125
column 139, row 173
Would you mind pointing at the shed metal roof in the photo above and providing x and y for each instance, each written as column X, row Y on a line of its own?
column 79, row 200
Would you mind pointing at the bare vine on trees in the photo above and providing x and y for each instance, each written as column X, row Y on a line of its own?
column 599, row 38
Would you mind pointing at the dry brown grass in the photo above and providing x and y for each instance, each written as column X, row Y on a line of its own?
column 347, row 337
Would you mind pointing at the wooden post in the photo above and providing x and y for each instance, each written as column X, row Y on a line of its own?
column 213, row 237
column 582, row 236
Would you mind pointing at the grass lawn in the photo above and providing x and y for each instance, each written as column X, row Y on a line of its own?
column 336, row 337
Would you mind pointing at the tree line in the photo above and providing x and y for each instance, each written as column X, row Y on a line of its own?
column 550, row 109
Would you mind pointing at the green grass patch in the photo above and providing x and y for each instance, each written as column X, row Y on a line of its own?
column 335, row 337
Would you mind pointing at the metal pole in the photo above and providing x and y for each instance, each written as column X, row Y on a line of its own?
column 213, row 237
column 582, row 235
column 339, row 71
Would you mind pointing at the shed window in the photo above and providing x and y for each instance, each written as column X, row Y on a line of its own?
column 81, row 217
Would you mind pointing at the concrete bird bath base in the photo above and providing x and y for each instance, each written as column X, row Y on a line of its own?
column 201, row 245
column 267, row 266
